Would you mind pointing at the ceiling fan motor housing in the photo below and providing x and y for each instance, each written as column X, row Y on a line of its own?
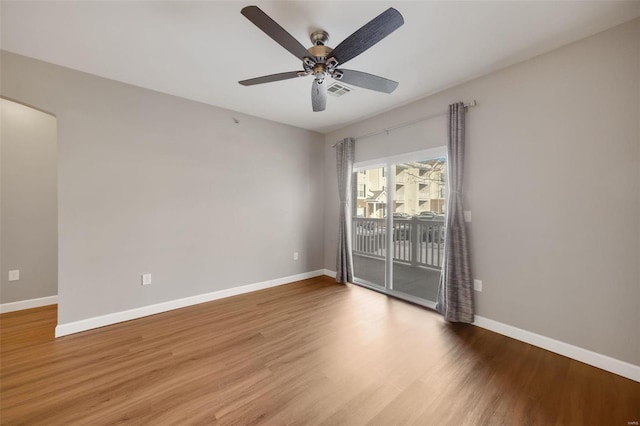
column 320, row 52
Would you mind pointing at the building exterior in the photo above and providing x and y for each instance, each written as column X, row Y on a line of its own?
column 418, row 187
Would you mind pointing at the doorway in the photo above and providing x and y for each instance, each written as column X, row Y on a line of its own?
column 29, row 207
column 398, row 226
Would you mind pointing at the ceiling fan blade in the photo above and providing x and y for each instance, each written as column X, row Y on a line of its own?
column 368, row 81
column 371, row 33
column 272, row 77
column 275, row 31
column 319, row 95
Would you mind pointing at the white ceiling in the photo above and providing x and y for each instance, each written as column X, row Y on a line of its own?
column 199, row 50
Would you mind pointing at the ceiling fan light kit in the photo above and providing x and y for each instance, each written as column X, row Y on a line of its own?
column 321, row 61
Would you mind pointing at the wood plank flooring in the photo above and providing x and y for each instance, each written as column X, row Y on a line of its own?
column 312, row 352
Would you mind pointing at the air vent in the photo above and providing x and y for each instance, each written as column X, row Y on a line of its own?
column 338, row 89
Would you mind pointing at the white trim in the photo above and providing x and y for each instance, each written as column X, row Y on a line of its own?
column 28, row 304
column 116, row 317
column 616, row 366
column 329, row 273
column 425, row 154
column 595, row 359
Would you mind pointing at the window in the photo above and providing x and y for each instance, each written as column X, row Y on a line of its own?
column 362, row 190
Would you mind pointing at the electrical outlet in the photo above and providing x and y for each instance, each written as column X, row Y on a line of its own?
column 146, row 279
column 467, row 215
column 295, row 256
column 477, row 285
column 14, row 275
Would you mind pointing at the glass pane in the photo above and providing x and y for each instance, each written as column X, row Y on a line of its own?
column 418, row 226
column 369, row 226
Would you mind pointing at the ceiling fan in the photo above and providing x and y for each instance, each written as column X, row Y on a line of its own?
column 322, row 61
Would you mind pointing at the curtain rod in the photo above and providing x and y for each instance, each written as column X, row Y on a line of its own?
column 409, row 123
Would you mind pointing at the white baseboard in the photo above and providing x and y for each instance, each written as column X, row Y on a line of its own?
column 28, row 304
column 595, row 359
column 116, row 317
column 616, row 366
column 329, row 273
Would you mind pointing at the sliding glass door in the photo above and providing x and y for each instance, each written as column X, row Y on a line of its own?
column 369, row 226
column 398, row 225
column 418, row 224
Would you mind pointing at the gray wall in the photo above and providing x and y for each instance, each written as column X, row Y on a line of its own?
column 29, row 224
column 552, row 180
column 151, row 183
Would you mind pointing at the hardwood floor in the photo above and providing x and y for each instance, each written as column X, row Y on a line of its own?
column 311, row 352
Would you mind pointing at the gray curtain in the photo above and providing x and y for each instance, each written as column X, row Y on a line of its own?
column 345, row 150
column 455, row 294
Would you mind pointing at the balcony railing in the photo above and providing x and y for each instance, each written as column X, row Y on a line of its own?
column 416, row 242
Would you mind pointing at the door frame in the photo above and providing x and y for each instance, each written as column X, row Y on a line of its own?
column 386, row 163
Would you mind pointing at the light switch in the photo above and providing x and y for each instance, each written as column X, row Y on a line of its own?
column 14, row 275
column 467, row 215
